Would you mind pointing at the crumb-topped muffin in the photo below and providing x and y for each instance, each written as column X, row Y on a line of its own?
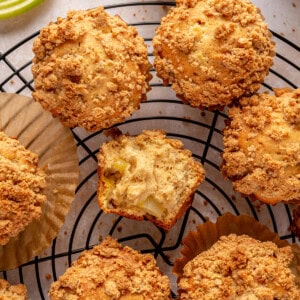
column 147, row 176
column 213, row 51
column 261, row 146
column 21, row 188
column 110, row 272
column 240, row 267
column 12, row 292
column 90, row 69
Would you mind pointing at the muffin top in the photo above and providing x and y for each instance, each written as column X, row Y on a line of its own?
column 12, row 292
column 90, row 69
column 213, row 51
column 240, row 267
column 110, row 271
column 147, row 176
column 22, row 184
column 261, row 146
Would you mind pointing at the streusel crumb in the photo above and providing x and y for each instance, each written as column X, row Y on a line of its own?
column 12, row 292
column 240, row 267
column 262, row 146
column 22, row 185
column 110, row 272
column 213, row 51
column 90, row 69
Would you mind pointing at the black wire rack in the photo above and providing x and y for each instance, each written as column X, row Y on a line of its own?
column 200, row 131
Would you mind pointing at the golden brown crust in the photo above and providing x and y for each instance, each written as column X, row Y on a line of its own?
column 240, row 267
column 261, row 147
column 21, row 188
column 12, row 292
column 90, row 69
column 213, row 51
column 147, row 176
column 112, row 272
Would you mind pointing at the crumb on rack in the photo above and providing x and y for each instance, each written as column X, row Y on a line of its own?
column 48, row 276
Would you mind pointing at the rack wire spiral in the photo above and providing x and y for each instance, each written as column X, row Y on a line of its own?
column 200, row 131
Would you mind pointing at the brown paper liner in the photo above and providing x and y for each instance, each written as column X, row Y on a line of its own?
column 209, row 233
column 38, row 131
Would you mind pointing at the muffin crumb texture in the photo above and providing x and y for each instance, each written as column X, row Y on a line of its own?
column 147, row 176
column 90, row 69
column 21, row 188
column 12, row 292
column 262, row 147
column 240, row 267
column 213, row 51
column 109, row 272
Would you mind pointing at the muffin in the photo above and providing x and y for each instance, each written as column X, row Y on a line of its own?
column 261, row 147
column 147, row 177
column 110, row 271
column 240, row 267
column 21, row 188
column 12, row 292
column 39, row 174
column 213, row 51
column 90, row 69
column 237, row 258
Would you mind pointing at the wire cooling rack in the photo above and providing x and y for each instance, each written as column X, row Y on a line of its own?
column 200, row 131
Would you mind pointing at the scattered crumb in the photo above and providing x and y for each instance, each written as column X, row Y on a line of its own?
column 119, row 228
column 48, row 276
column 203, row 114
column 233, row 198
column 295, row 225
column 113, row 132
column 100, row 238
column 205, row 203
column 11, row 81
column 294, row 4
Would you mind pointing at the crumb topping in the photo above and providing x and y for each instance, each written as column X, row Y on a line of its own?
column 147, row 175
column 12, row 292
column 21, row 188
column 213, row 51
column 240, row 267
column 90, row 69
column 112, row 272
column 262, row 149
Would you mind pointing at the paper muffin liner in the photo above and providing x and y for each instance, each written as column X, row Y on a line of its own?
column 38, row 131
column 209, row 233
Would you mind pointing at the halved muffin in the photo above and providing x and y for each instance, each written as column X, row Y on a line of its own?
column 147, row 176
